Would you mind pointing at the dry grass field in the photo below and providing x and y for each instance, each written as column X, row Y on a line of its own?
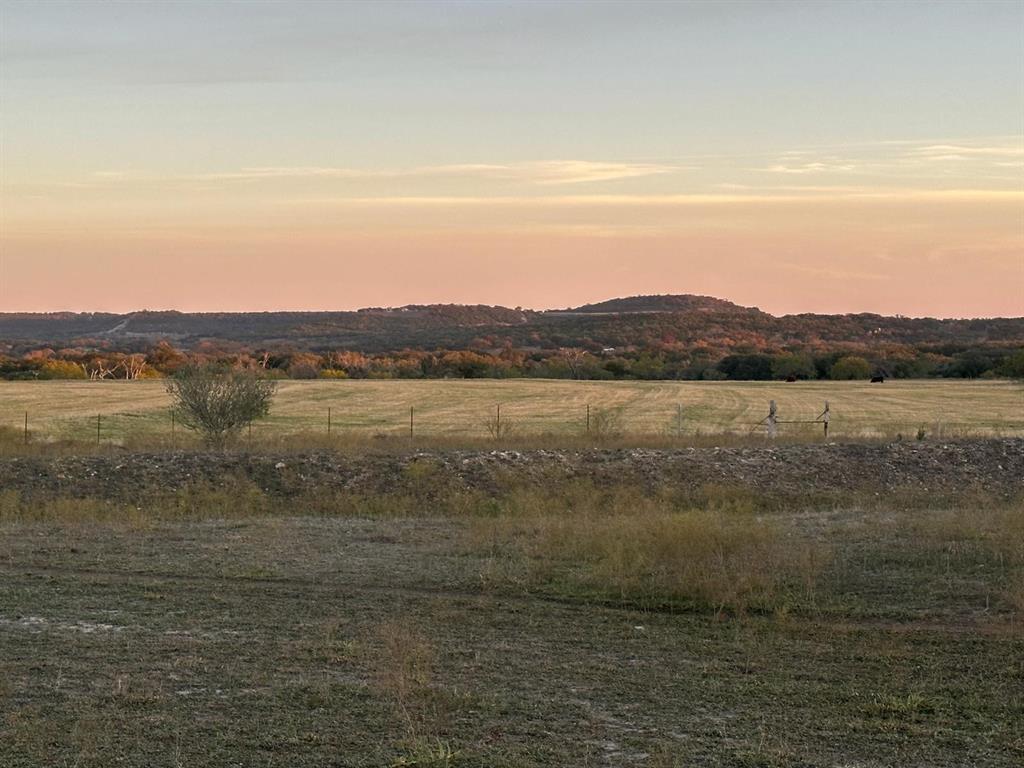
column 559, row 624
column 465, row 409
column 431, row 605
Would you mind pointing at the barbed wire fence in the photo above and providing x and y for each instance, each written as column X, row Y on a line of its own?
column 772, row 420
column 161, row 426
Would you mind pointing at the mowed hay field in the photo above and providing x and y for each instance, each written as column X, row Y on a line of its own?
column 465, row 408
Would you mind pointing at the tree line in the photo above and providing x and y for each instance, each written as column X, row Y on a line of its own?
column 650, row 362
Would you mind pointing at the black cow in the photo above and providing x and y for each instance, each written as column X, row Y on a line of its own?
column 878, row 379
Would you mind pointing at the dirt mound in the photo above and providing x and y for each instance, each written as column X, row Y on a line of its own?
column 994, row 466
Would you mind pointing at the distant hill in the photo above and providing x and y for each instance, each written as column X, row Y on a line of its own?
column 661, row 303
column 680, row 322
column 374, row 327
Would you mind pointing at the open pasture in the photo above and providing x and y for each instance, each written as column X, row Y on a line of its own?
column 467, row 409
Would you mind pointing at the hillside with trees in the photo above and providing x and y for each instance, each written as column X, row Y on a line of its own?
column 641, row 337
column 661, row 303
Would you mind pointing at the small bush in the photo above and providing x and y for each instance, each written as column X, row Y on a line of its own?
column 606, row 423
column 218, row 403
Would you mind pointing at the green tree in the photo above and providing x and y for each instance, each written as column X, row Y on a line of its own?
column 1013, row 366
column 746, row 367
column 793, row 364
column 218, row 403
column 850, row 367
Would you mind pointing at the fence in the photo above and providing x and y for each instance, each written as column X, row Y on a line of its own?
column 500, row 422
column 134, row 411
column 771, row 421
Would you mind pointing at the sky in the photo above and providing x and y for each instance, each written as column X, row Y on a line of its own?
column 798, row 157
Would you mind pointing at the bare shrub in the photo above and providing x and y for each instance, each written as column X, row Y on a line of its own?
column 499, row 426
column 218, row 403
column 606, row 423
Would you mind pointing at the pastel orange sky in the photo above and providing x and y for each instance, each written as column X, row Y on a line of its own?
column 800, row 158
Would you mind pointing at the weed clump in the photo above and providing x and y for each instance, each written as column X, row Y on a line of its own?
column 649, row 550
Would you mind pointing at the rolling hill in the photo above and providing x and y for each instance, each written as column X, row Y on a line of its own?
column 636, row 322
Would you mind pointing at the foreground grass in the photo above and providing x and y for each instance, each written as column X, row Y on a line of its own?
column 717, row 548
column 356, row 642
column 560, row 624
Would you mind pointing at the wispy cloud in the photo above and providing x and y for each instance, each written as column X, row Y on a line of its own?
column 880, row 168
column 943, row 152
column 695, row 199
column 812, row 167
column 546, row 172
column 577, row 171
column 903, row 159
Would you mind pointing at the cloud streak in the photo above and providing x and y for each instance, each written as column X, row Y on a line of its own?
column 813, row 167
column 942, row 152
column 545, row 172
column 695, row 199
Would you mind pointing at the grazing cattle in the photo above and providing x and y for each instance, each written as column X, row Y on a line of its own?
column 791, row 377
column 878, row 379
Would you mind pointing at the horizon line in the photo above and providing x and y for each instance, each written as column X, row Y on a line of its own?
column 496, row 306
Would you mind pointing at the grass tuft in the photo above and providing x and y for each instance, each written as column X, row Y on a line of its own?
column 621, row 544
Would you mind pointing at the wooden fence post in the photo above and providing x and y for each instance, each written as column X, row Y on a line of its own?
column 825, row 418
column 588, row 418
column 26, row 427
column 411, row 421
column 773, row 419
column 328, row 420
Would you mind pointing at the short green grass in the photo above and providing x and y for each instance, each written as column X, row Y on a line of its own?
column 468, row 409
